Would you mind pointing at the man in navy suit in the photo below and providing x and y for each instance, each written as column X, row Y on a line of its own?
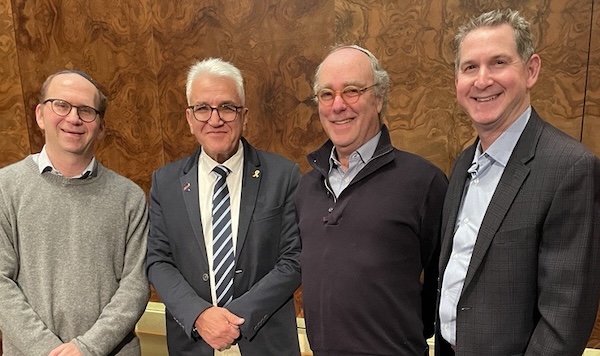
column 519, row 261
column 259, row 319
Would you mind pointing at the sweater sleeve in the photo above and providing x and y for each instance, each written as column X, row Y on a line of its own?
column 20, row 324
column 119, row 316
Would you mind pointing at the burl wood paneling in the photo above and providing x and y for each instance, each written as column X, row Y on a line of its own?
column 112, row 41
column 140, row 51
column 591, row 122
column 277, row 45
column 14, row 141
column 414, row 42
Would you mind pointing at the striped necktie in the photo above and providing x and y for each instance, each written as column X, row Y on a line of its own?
column 223, row 255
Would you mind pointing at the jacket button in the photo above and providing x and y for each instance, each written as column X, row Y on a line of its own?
column 205, row 277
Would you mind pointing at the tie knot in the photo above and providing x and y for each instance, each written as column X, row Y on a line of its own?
column 221, row 170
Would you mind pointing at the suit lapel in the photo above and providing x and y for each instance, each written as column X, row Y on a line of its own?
column 251, row 179
column 510, row 183
column 189, row 184
column 452, row 204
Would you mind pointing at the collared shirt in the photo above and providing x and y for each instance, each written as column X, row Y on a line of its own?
column 338, row 179
column 45, row 165
column 484, row 174
column 206, row 183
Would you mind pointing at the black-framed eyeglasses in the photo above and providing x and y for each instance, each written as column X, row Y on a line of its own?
column 226, row 112
column 349, row 94
column 63, row 108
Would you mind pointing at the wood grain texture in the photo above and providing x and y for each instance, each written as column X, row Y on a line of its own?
column 591, row 123
column 140, row 52
column 111, row 41
column 276, row 44
column 14, row 139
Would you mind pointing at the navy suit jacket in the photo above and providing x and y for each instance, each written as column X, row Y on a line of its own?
column 532, row 285
column 267, row 269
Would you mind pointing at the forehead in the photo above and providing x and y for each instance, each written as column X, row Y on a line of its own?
column 71, row 84
column 345, row 66
column 491, row 40
column 208, row 88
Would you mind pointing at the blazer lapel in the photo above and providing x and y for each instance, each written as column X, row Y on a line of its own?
column 510, row 183
column 452, row 204
column 189, row 184
column 251, row 179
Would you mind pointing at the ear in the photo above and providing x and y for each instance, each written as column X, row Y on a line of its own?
column 245, row 117
column 379, row 104
column 102, row 129
column 533, row 66
column 39, row 116
column 189, row 116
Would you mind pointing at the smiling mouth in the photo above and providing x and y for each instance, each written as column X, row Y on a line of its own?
column 341, row 122
column 486, row 99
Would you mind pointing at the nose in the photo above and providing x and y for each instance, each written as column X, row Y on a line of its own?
column 483, row 78
column 73, row 117
column 339, row 104
column 214, row 119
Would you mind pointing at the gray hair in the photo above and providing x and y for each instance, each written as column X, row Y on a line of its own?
column 381, row 78
column 102, row 101
column 217, row 67
column 520, row 26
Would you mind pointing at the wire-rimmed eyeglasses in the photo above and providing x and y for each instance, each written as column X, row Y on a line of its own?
column 63, row 108
column 349, row 94
column 226, row 112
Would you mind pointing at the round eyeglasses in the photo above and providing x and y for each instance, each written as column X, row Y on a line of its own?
column 225, row 112
column 349, row 94
column 63, row 108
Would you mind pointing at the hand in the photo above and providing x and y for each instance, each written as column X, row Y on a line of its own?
column 218, row 327
column 66, row 349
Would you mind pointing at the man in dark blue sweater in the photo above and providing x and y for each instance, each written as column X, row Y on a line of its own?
column 369, row 218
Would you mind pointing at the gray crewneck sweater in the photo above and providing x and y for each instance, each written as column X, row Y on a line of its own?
column 71, row 261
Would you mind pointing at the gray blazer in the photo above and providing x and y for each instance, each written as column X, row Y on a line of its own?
column 533, row 283
column 266, row 259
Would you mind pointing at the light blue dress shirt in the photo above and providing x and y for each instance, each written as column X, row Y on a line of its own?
column 338, row 179
column 484, row 174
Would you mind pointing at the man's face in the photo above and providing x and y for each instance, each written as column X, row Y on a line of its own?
column 349, row 126
column 218, row 139
column 492, row 82
column 68, row 135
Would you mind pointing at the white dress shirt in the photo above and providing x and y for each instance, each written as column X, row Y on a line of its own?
column 206, row 184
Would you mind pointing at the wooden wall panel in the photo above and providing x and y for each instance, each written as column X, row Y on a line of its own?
column 276, row 44
column 414, row 42
column 112, row 41
column 591, row 122
column 14, row 139
column 140, row 52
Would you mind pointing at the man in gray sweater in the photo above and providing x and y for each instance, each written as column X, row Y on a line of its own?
column 72, row 236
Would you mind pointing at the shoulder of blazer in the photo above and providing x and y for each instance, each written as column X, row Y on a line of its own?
column 191, row 161
column 251, row 156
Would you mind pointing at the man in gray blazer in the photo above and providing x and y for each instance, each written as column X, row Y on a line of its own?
column 519, row 262
column 233, row 295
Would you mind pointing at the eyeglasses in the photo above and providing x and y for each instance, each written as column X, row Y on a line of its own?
column 349, row 94
column 226, row 112
column 63, row 108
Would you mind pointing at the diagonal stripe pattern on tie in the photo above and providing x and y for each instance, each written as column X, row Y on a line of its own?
column 223, row 255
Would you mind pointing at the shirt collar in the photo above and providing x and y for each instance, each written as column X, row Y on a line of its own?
column 234, row 163
column 365, row 152
column 501, row 149
column 45, row 165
